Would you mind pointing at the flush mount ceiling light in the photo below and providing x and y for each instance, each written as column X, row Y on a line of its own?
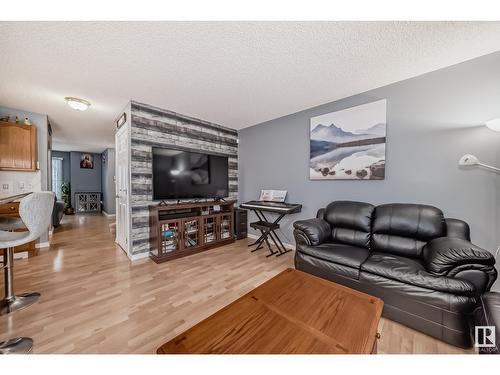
column 77, row 103
column 494, row 124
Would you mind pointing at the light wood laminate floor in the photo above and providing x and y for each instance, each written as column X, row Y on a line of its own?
column 94, row 300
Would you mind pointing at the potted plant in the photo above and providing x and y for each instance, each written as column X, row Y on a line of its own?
column 66, row 197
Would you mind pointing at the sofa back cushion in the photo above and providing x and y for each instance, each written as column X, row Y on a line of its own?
column 350, row 222
column 404, row 229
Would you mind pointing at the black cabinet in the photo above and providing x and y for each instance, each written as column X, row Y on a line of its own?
column 240, row 223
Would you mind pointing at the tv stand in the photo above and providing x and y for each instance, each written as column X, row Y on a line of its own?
column 186, row 228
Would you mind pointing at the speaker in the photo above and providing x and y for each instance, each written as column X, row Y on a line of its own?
column 240, row 223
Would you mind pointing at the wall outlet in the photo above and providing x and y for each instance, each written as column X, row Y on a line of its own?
column 5, row 186
column 21, row 185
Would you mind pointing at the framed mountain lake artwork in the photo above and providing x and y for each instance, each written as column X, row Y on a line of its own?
column 349, row 144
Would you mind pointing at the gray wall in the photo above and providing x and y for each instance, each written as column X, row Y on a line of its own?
column 84, row 180
column 432, row 120
column 108, row 181
column 151, row 126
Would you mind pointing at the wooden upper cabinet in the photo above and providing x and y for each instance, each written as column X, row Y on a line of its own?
column 17, row 147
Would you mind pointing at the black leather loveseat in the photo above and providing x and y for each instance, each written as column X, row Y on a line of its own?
column 423, row 266
column 57, row 213
column 487, row 314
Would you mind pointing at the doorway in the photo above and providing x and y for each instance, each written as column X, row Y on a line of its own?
column 122, row 183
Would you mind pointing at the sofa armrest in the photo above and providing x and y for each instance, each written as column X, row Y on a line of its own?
column 448, row 256
column 57, row 213
column 311, row 232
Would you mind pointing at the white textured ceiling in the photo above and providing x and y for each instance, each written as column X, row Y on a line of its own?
column 234, row 73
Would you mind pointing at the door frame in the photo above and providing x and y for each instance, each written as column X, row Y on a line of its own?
column 123, row 132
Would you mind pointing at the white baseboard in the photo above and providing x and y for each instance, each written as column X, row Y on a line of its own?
column 42, row 244
column 138, row 256
column 22, row 255
column 108, row 215
column 287, row 245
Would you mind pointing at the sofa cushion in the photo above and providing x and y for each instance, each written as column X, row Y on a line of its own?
column 404, row 229
column 324, row 268
column 350, row 222
column 351, row 256
column 422, row 302
column 412, row 272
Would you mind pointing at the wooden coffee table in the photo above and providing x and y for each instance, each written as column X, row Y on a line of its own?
column 293, row 312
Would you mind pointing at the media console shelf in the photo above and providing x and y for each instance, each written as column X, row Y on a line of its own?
column 178, row 230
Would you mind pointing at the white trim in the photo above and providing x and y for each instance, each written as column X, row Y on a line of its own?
column 21, row 255
column 108, row 215
column 126, row 132
column 42, row 244
column 139, row 256
column 287, row 245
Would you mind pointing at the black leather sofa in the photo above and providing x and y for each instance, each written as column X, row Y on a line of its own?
column 423, row 266
column 487, row 314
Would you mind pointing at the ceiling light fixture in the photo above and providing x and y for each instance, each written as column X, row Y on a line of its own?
column 77, row 103
column 494, row 124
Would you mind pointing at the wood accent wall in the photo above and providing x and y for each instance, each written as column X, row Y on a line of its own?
column 156, row 127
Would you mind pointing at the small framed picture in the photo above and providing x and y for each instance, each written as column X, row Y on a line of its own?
column 87, row 161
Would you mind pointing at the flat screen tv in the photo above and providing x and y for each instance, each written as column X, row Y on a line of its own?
column 179, row 174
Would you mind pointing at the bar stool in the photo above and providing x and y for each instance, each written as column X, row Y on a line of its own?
column 35, row 211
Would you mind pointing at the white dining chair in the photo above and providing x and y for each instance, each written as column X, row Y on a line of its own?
column 35, row 211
